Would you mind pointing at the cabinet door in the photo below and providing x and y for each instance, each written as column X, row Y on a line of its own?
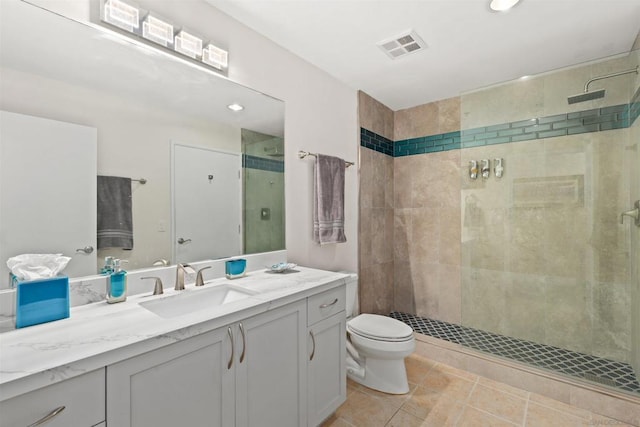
column 184, row 384
column 77, row 402
column 271, row 378
column 326, row 367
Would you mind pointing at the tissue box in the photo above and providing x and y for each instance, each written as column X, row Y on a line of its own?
column 41, row 301
column 235, row 268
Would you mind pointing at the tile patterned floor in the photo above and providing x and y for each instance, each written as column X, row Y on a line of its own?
column 603, row 371
column 444, row 396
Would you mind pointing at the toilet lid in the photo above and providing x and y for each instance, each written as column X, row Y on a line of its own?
column 379, row 327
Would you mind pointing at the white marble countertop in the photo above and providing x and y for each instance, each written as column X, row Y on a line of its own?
column 100, row 334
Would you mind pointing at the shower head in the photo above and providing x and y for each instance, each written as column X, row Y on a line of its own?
column 587, row 96
column 597, row 94
column 274, row 153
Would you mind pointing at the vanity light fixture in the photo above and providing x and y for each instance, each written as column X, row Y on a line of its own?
column 215, row 57
column 188, row 44
column 502, row 5
column 121, row 15
column 157, row 31
column 235, row 107
column 139, row 24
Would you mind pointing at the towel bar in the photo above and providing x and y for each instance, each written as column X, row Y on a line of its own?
column 303, row 154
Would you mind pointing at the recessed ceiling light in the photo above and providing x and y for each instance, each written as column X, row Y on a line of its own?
column 235, row 107
column 502, row 5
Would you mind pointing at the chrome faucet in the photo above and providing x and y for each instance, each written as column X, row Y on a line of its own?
column 199, row 278
column 181, row 269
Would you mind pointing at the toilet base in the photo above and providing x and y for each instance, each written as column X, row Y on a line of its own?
column 387, row 376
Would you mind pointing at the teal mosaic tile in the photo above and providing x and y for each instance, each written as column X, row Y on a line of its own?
column 578, row 122
column 260, row 163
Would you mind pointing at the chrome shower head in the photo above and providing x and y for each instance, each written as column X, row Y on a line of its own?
column 597, row 94
column 587, row 96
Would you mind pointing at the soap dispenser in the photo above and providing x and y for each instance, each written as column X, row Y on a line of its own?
column 117, row 283
column 108, row 265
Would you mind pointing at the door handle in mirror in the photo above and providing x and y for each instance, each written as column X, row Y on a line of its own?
column 87, row 250
column 182, row 241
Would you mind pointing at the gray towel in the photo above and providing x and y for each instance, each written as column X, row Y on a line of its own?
column 115, row 225
column 328, row 200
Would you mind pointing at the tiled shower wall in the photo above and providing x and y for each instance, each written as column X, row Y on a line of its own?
column 553, row 274
column 634, row 179
column 376, row 266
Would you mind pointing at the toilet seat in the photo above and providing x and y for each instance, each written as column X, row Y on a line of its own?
column 380, row 328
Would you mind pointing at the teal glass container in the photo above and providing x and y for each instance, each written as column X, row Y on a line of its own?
column 235, row 268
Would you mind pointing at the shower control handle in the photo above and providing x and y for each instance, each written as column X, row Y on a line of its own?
column 473, row 169
column 486, row 168
column 633, row 213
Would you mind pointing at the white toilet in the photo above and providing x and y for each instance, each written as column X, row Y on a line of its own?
column 376, row 347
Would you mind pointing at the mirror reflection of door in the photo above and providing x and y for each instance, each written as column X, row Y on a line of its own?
column 207, row 209
column 47, row 173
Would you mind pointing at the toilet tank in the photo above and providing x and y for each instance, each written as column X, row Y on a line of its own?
column 352, row 295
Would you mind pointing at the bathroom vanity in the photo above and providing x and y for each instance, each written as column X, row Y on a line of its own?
column 271, row 352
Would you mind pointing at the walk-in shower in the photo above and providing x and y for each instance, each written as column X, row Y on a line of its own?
column 549, row 275
column 532, row 263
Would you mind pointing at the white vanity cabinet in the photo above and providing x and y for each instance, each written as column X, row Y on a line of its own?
column 207, row 381
column 327, row 388
column 271, row 378
column 188, row 383
column 77, row 402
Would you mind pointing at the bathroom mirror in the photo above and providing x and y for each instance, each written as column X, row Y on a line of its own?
column 141, row 102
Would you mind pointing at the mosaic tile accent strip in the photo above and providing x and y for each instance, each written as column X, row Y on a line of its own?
column 427, row 144
column 595, row 120
column 604, row 371
column 634, row 107
column 255, row 162
column 376, row 142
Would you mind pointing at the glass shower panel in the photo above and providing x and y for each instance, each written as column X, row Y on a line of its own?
column 263, row 192
column 549, row 275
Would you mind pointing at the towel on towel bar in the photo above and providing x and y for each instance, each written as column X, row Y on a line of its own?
column 328, row 200
column 115, row 225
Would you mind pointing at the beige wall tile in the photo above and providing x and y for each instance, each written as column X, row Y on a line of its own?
column 611, row 321
column 402, row 234
column 403, row 288
column 416, row 121
column 449, row 115
column 375, row 116
column 425, row 278
column 449, row 297
column 424, row 243
column 403, row 175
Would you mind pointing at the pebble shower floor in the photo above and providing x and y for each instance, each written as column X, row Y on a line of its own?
column 604, row 371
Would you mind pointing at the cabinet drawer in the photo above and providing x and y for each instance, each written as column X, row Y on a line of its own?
column 82, row 397
column 325, row 304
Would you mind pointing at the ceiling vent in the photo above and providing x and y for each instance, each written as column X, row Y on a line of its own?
column 402, row 45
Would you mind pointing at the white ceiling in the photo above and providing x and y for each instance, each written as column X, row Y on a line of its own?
column 468, row 45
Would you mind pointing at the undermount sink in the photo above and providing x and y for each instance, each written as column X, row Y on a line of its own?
column 193, row 300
